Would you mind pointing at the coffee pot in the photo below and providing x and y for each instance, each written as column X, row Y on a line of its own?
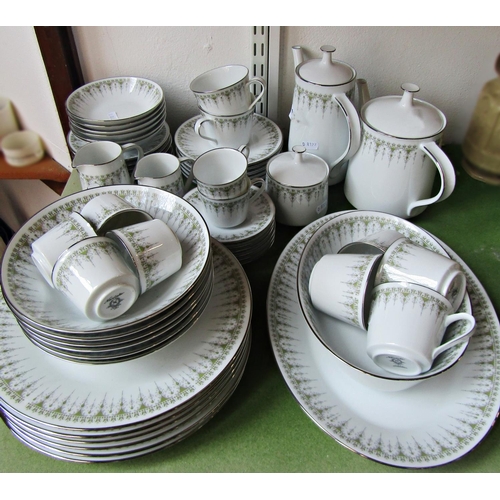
column 323, row 118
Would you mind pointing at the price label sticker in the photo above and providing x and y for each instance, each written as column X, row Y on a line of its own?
column 321, row 207
column 113, row 115
column 310, row 144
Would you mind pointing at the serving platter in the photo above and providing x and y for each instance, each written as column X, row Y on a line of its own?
column 429, row 425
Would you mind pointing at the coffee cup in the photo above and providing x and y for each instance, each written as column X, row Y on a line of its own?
column 102, row 163
column 405, row 261
column 340, row 285
column 151, row 248
column 406, row 326
column 226, row 90
column 94, row 277
column 108, row 211
column 231, row 212
column 225, row 131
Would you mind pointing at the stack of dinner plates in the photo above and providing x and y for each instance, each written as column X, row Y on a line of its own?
column 253, row 237
column 266, row 141
column 159, row 316
column 100, row 413
column 122, row 110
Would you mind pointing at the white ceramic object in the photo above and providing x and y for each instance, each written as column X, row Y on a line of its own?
column 298, row 185
column 47, row 249
column 163, row 171
column 22, row 148
column 116, row 100
column 226, row 90
column 222, row 173
column 94, row 276
column 406, row 327
column 341, row 286
column 231, row 212
column 376, row 243
column 229, row 131
column 109, row 211
column 102, row 163
column 8, row 120
column 407, row 262
column 151, row 248
column 323, row 118
column 394, row 169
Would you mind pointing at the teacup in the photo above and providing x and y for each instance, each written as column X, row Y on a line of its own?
column 94, row 277
column 102, row 163
column 108, row 211
column 163, row 171
column 152, row 248
column 233, row 211
column 405, row 261
column 226, row 90
column 222, row 173
column 340, row 285
column 229, row 131
column 406, row 326
column 48, row 248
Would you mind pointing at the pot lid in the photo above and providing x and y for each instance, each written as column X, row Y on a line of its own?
column 326, row 71
column 404, row 116
column 297, row 168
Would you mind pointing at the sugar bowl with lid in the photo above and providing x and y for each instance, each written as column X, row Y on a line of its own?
column 297, row 182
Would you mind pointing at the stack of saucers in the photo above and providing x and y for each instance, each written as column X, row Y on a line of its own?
column 122, row 110
column 251, row 239
column 159, row 316
column 266, row 141
column 101, row 413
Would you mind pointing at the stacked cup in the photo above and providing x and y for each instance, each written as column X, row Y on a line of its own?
column 402, row 294
column 224, row 186
column 226, row 105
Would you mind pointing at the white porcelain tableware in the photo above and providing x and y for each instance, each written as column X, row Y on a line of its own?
column 340, row 285
column 231, row 212
column 47, row 249
column 94, row 277
column 22, row 148
column 229, row 131
column 226, row 90
column 102, row 163
column 161, row 170
column 222, row 173
column 394, row 169
column 8, row 119
column 298, row 185
column 151, row 248
column 376, row 243
column 406, row 326
column 109, row 211
column 407, row 262
column 323, row 118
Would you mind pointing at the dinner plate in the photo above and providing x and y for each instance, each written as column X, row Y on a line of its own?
column 429, row 425
column 266, row 140
column 72, row 397
column 36, row 303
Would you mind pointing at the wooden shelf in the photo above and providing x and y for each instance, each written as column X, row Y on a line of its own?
column 47, row 170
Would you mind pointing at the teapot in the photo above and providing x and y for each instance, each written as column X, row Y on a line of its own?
column 393, row 171
column 323, row 118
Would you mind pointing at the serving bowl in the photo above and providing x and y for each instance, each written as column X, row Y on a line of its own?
column 346, row 343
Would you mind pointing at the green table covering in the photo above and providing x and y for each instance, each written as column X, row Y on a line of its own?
column 262, row 428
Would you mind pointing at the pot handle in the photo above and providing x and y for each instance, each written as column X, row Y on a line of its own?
column 353, row 125
column 446, row 173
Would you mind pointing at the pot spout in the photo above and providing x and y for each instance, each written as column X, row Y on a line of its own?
column 298, row 55
column 363, row 92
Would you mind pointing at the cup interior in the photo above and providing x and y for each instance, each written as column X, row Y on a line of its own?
column 218, row 78
column 97, row 153
column 156, row 165
column 220, row 166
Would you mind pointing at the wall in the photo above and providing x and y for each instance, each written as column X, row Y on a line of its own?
column 450, row 64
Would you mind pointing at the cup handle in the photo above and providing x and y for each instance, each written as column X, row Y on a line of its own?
column 262, row 83
column 255, row 194
column 131, row 145
column 244, row 149
column 197, row 129
column 446, row 172
column 451, row 319
column 353, row 125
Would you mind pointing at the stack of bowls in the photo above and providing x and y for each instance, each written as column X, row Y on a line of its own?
column 122, row 110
